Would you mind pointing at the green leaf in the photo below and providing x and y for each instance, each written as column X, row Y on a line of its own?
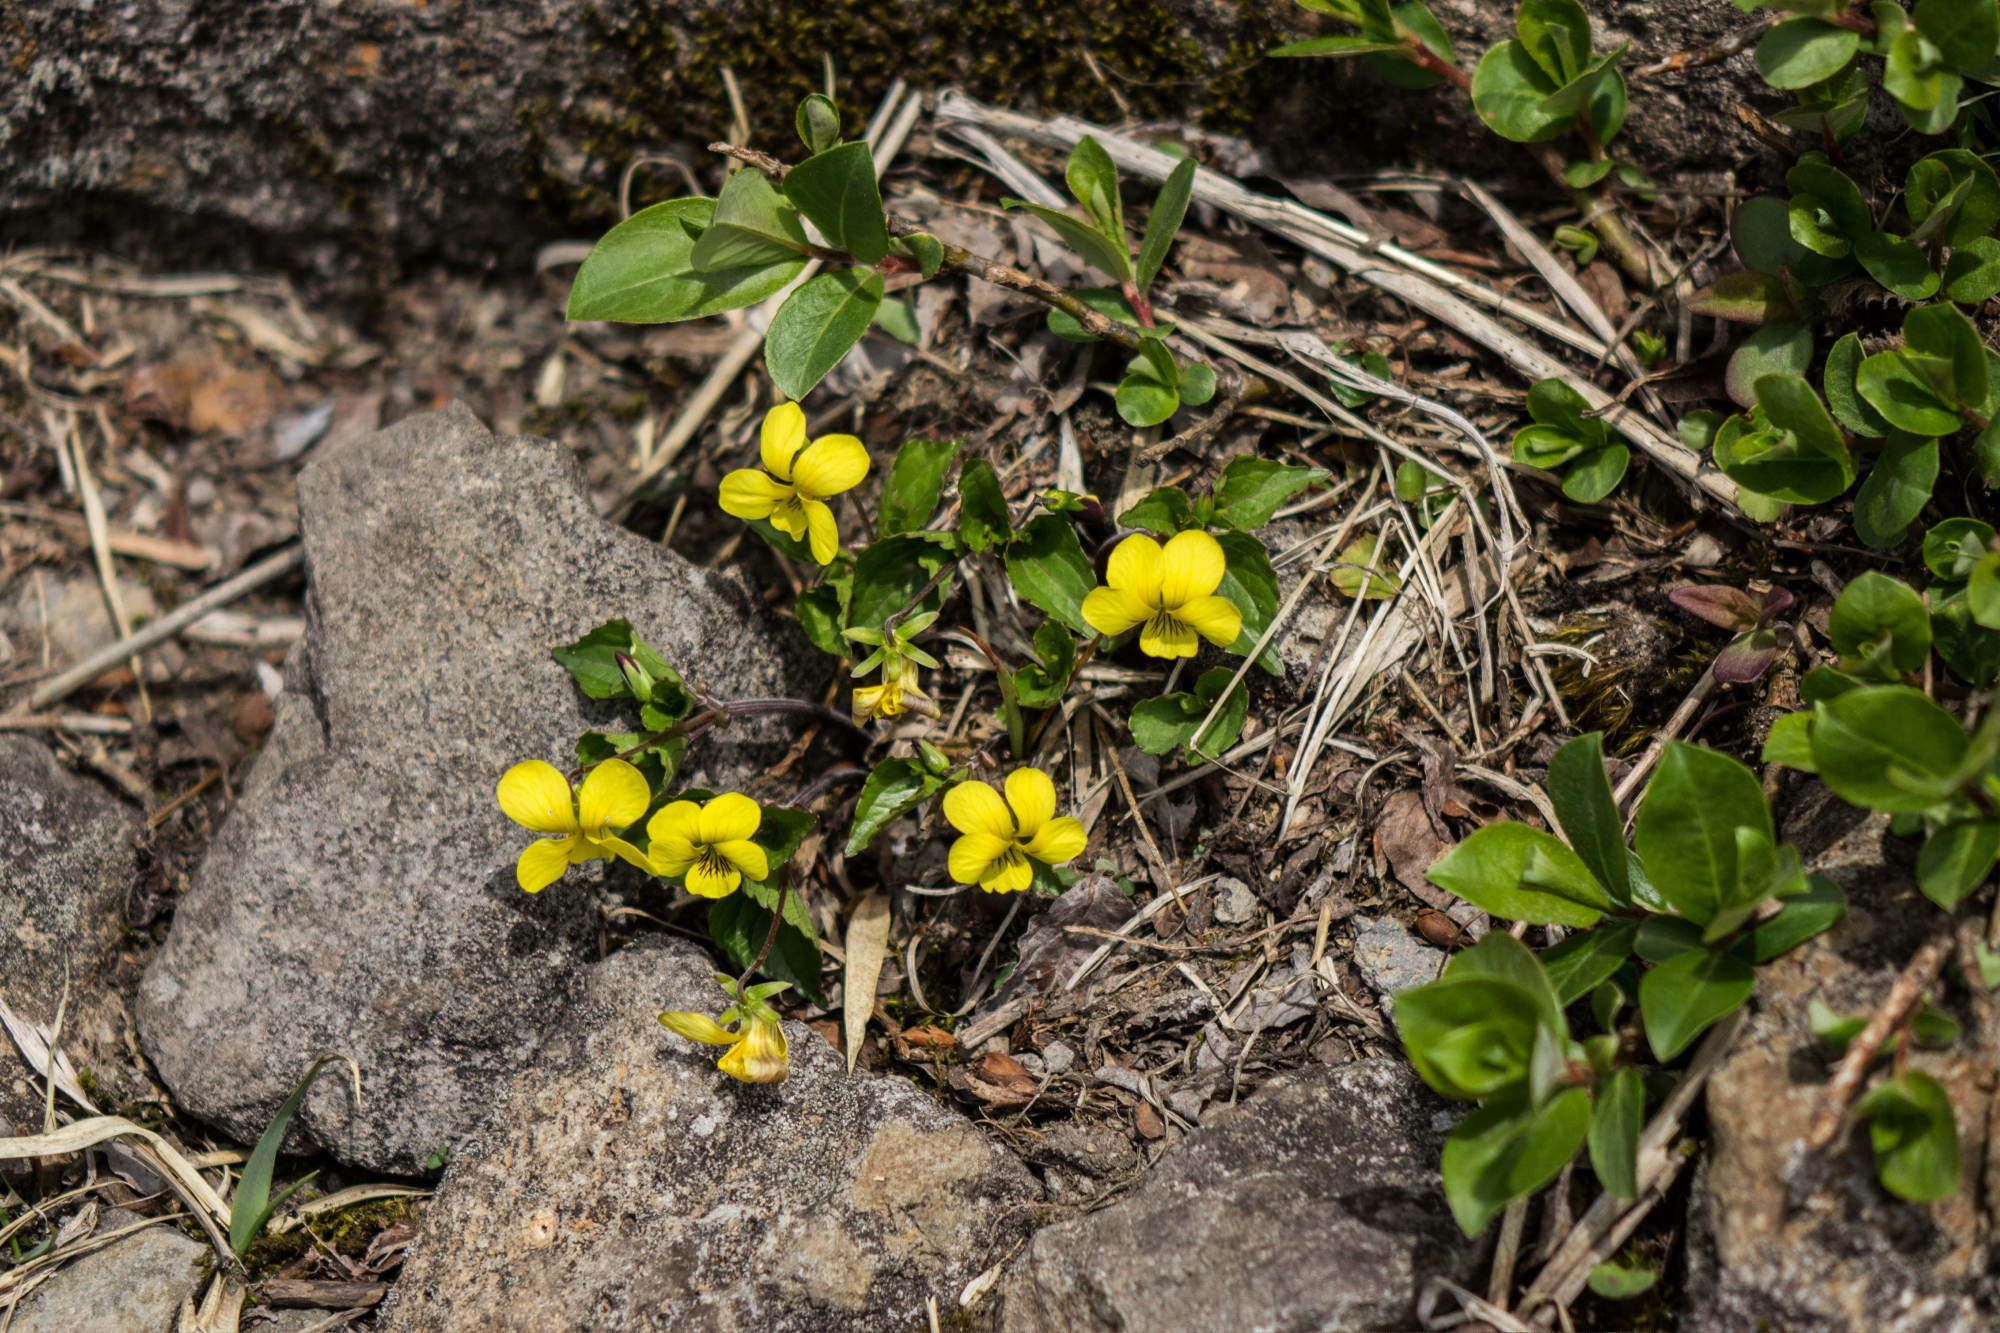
column 1776, row 349
column 642, row 271
column 1508, row 91
column 817, row 325
column 1093, row 248
column 1249, row 581
column 1359, row 572
column 1682, row 997
column 1335, row 46
column 1832, row 195
column 592, row 661
column 818, row 610
column 1843, row 360
column 1048, row 568
column 1943, row 331
column 1803, row 51
column 1747, row 298
column 1686, row 830
column 1042, row 685
column 1586, row 959
column 924, row 248
column 1468, row 1036
column 1164, row 511
column 1506, row 1150
column 1615, row 1121
column 1887, row 747
column 1954, row 546
column 889, row 574
column 893, row 788
column 1898, row 265
column 752, row 225
column 1896, row 489
column 739, row 926
column 1965, row 32
column 836, row 190
column 1973, row 271
column 1615, row 1282
column 1594, row 474
column 983, row 520
column 1197, row 383
column 1953, row 197
column 1956, row 859
column 252, row 1204
column 1803, row 916
column 1161, row 724
column 1093, row 179
column 1251, row 489
column 1522, row 874
column 1169, row 207
column 1982, row 590
column 1762, row 234
column 1915, row 1136
column 916, row 479
column 1583, row 175
column 1969, row 649
column 1556, row 35
column 779, row 834
column 1588, row 815
column 1145, row 401
column 1790, row 742
column 1877, row 619
column 818, row 122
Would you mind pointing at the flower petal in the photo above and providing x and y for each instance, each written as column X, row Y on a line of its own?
column 629, row 854
column 873, row 701
column 711, row 877
column 1167, row 636
column 614, row 796
column 536, row 794
column 1192, row 566
column 1060, row 840
column 748, row 493
column 1113, row 610
column 784, row 434
column 746, row 856
column 831, row 464
column 790, row 518
column 698, row 1027
column 677, row 826
column 761, row 1057
column 727, row 818
column 1135, row 567
column 973, row 855
column 974, row 807
column 824, row 532
column 542, row 863
column 1214, row 618
column 1032, row 797
column 1010, row 874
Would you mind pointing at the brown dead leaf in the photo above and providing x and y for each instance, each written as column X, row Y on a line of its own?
column 1148, row 1122
column 921, row 1043
column 1000, row 1080
column 1406, row 840
column 205, row 394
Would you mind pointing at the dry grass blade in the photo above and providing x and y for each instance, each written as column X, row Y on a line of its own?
column 165, row 1158
column 290, row 1218
column 46, row 1059
column 867, row 943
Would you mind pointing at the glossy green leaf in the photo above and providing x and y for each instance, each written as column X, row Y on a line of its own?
column 1775, row 349
column 1042, row 684
column 1595, row 473
column 1145, row 401
column 1969, row 649
column 752, row 225
column 1761, row 232
column 1803, row 916
column 1508, row 1149
column 836, row 190
column 1953, row 196
column 1508, row 91
column 817, row 325
column 1589, row 817
column 1956, row 859
column 1169, row 207
column 1686, row 829
column 818, row 122
column 893, row 788
column 1100, row 253
column 1109, row 302
column 1790, row 742
column 1586, row 959
column 915, row 480
column 1093, row 178
column 1973, row 271
column 1522, row 874
column 1251, row 489
column 1915, row 1136
column 1163, row 511
column 1896, row 489
column 1683, row 997
column 1887, row 747
column 1162, row 724
column 1876, row 616
column 1616, row 1118
column 1853, row 411
column 1965, row 32
column 818, row 610
column 983, row 520
column 1803, row 51
column 642, row 271
column 890, row 573
column 1898, row 265
column 1048, row 568
column 1903, row 388
column 1953, row 547
column 1249, row 581
column 1943, row 331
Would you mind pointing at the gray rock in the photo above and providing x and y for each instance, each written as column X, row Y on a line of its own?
column 1235, row 901
column 361, row 897
column 134, row 1285
column 1391, row 959
column 69, row 863
column 1315, row 1204
column 627, row 1184
column 1851, row 1257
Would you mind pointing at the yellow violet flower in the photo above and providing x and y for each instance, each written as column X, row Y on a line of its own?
column 758, row 1052
column 797, row 478
column 1169, row 594
column 897, row 694
column 537, row 795
column 709, row 844
column 1000, row 837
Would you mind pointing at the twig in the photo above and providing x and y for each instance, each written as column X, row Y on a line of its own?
column 1909, row 987
column 1714, row 53
column 264, row 571
column 770, row 936
column 1675, row 726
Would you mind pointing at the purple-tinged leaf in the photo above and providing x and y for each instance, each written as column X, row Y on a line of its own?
column 1747, row 657
column 1775, row 601
column 1718, row 604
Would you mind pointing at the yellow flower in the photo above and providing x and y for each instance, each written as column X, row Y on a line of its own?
column 709, row 844
column 758, row 1052
column 1000, row 837
column 894, row 696
column 538, row 796
column 1169, row 594
column 800, row 478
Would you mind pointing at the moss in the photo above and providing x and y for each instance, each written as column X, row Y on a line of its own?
column 348, row 1231
column 659, row 73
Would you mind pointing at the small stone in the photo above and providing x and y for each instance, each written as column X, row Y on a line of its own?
column 1057, row 1056
column 1391, row 959
column 1235, row 901
column 134, row 1285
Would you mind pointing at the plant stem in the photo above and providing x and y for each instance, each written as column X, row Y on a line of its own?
column 720, row 712
column 770, row 936
column 839, row 775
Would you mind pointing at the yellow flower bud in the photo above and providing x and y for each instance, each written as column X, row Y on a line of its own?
column 761, row 1056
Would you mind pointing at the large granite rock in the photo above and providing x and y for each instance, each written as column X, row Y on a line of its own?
column 136, row 1284
column 1850, row 1257
column 361, row 897
column 1315, row 1204
column 627, row 1184
column 68, row 864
